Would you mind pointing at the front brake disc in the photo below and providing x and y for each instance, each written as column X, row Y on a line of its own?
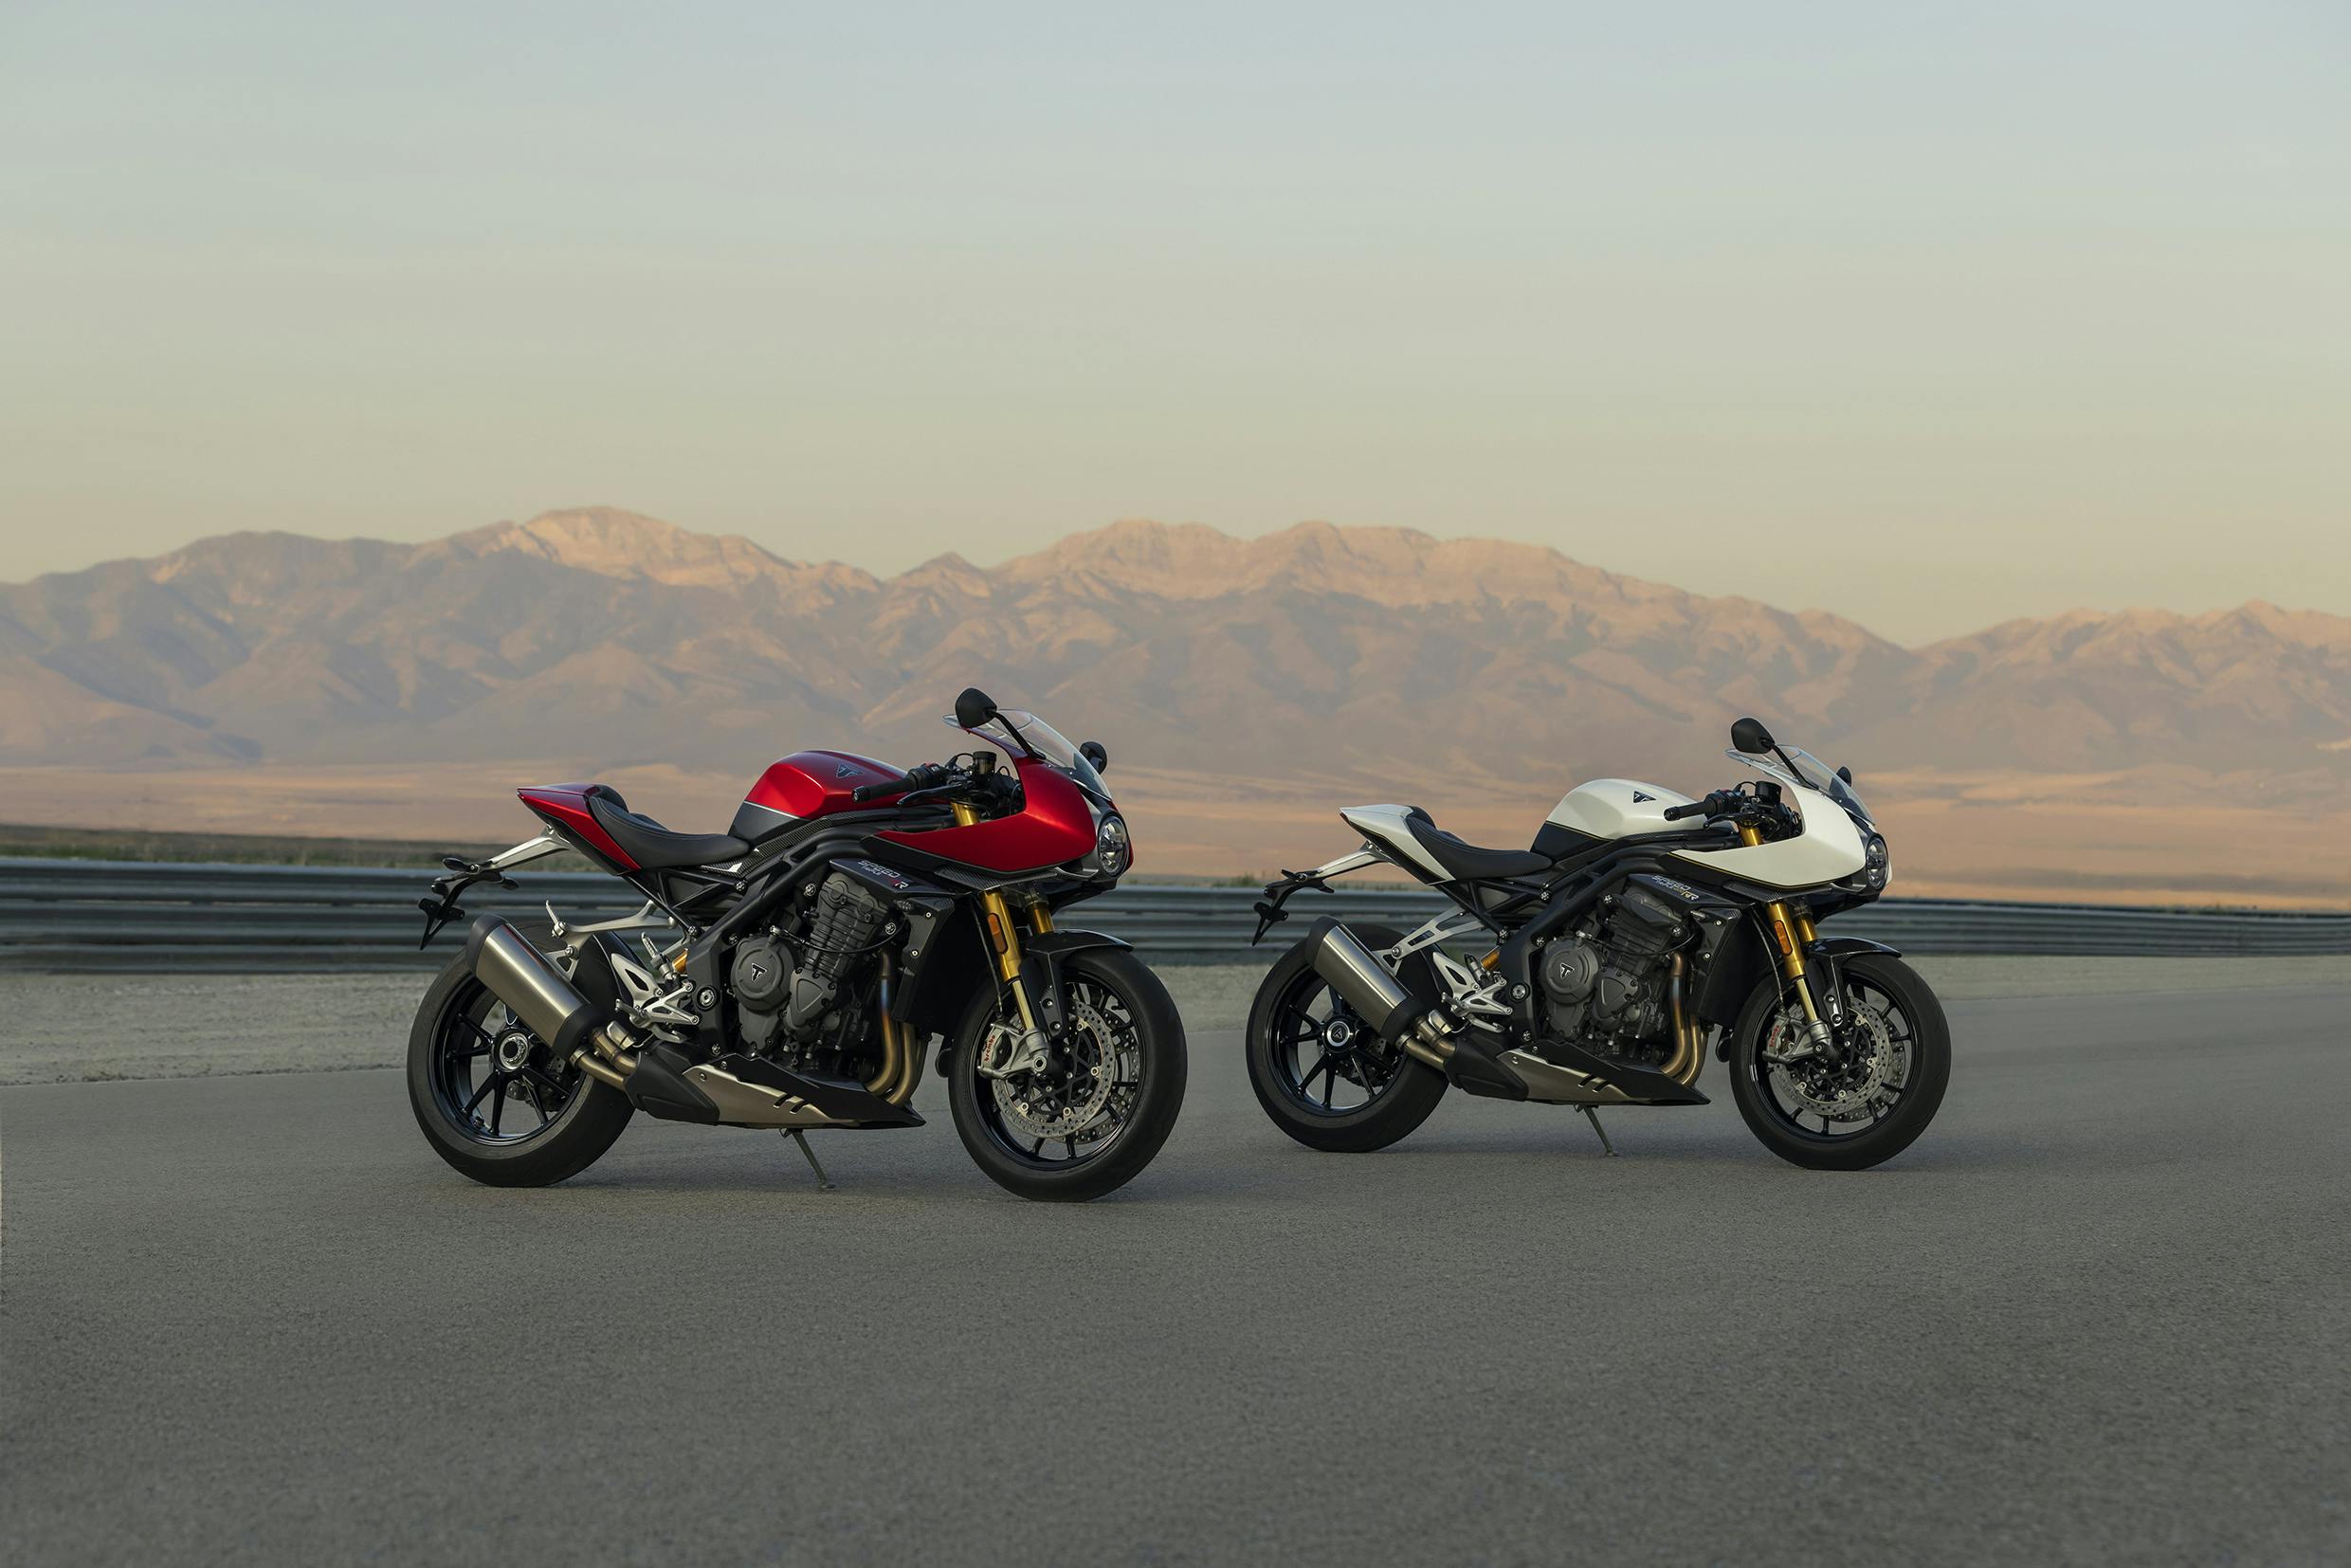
column 1848, row 1093
column 1066, row 1096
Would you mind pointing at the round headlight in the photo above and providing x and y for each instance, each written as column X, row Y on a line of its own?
column 1877, row 850
column 1111, row 846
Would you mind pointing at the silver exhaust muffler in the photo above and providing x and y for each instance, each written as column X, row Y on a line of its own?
column 518, row 975
column 1379, row 998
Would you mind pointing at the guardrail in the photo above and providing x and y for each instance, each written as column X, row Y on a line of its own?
column 85, row 914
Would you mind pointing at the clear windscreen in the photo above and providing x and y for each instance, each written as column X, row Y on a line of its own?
column 1029, row 735
column 1811, row 774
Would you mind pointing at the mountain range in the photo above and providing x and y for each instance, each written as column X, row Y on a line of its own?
column 1373, row 658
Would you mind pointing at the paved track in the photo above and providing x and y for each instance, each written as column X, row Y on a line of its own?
column 2098, row 1315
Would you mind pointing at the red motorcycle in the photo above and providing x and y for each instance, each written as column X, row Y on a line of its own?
column 793, row 971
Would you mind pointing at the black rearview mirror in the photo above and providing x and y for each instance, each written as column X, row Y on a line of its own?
column 1748, row 735
column 1092, row 751
column 1845, row 773
column 974, row 708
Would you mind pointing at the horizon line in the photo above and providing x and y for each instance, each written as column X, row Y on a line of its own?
column 2113, row 613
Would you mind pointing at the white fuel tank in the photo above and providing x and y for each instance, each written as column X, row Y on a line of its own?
column 1619, row 807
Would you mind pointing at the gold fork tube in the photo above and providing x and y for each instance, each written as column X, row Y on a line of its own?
column 1005, row 938
column 1003, row 935
column 1792, row 934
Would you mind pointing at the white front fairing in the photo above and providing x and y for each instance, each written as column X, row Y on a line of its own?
column 1619, row 807
column 1828, row 848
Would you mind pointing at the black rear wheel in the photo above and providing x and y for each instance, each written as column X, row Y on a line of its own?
column 1866, row 1102
column 490, row 1096
column 1320, row 1073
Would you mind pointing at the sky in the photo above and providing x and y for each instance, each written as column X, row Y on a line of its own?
column 1931, row 314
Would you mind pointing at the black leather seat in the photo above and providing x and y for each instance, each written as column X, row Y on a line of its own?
column 653, row 847
column 1469, row 862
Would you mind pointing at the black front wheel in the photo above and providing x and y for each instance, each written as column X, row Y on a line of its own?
column 1089, row 1118
column 1861, row 1105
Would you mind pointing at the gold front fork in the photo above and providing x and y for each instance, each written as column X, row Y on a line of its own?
column 1792, row 932
column 1003, row 935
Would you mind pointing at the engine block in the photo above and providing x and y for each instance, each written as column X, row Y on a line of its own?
column 1609, row 986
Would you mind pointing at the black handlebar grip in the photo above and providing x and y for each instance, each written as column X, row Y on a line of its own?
column 875, row 791
column 1696, row 808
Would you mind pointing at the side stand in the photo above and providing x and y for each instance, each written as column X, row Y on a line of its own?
column 1590, row 1115
column 824, row 1182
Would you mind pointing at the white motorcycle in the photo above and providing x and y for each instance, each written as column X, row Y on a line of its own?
column 1641, row 925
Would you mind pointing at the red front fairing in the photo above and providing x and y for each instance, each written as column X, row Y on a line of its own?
column 565, row 806
column 816, row 783
column 1052, row 825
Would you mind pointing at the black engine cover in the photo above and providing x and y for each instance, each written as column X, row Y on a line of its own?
column 761, row 975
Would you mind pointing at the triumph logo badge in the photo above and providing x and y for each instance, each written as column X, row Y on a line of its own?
column 1638, row 798
column 845, row 771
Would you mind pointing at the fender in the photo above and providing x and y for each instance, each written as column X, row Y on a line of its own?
column 1040, row 966
column 1832, row 949
column 1839, row 947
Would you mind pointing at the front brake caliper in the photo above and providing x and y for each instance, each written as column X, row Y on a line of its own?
column 1008, row 1051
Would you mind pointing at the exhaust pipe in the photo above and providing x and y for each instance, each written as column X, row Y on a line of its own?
column 734, row 1090
column 1364, row 984
column 518, row 975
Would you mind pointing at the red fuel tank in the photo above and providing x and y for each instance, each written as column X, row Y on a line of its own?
column 805, row 785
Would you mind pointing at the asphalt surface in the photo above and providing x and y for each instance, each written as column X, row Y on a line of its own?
column 2097, row 1315
column 57, row 1029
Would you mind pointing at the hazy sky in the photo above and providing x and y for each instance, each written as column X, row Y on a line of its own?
column 1932, row 315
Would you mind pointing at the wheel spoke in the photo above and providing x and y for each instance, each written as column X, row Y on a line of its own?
column 487, row 1084
column 1305, row 1085
column 497, row 1111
